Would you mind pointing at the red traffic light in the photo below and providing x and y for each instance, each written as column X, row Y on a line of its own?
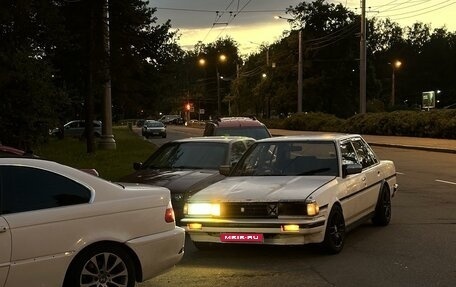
column 187, row 107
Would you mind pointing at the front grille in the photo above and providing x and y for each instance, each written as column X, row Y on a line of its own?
column 249, row 210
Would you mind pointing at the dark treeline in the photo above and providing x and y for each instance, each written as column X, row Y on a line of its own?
column 53, row 62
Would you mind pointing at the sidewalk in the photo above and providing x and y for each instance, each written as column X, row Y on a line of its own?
column 429, row 144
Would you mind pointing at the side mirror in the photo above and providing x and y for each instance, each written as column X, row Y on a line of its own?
column 354, row 168
column 224, row 170
column 137, row 165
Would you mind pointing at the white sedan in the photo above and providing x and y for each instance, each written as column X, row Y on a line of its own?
column 60, row 226
column 294, row 190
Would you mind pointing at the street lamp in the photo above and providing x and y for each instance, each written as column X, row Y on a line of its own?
column 299, row 63
column 395, row 66
column 221, row 58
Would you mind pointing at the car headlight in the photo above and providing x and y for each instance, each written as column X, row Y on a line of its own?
column 203, row 209
column 312, row 208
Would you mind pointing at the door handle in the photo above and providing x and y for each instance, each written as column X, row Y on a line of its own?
column 2, row 229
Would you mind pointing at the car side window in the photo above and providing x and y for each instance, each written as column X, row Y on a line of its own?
column 348, row 153
column 365, row 155
column 28, row 189
column 237, row 150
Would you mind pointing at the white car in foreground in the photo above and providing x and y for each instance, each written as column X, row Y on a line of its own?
column 60, row 226
column 294, row 190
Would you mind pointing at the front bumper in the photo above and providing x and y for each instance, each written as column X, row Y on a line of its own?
column 311, row 230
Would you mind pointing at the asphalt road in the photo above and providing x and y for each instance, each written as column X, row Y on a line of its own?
column 418, row 248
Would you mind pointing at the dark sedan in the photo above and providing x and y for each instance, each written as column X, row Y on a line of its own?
column 188, row 165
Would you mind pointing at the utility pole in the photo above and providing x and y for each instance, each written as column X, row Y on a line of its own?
column 362, row 60
column 300, row 71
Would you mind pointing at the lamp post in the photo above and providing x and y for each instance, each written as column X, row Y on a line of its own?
column 221, row 58
column 299, row 109
column 395, row 65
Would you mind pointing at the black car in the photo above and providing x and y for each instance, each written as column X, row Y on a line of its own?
column 188, row 165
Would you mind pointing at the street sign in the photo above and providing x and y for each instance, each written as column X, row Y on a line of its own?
column 201, row 111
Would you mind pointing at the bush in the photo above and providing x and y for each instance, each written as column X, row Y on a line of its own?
column 435, row 123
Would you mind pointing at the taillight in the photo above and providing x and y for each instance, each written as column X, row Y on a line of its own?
column 169, row 213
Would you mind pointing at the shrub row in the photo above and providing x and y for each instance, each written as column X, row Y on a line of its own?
column 434, row 123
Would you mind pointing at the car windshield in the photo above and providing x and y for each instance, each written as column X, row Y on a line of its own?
column 253, row 132
column 302, row 158
column 153, row 124
column 188, row 155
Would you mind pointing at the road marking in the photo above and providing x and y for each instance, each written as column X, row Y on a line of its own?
column 444, row 181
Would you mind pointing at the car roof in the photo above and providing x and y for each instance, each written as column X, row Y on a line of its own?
column 238, row 122
column 312, row 137
column 217, row 139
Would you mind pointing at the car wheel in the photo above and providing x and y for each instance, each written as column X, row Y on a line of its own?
column 164, row 136
column 102, row 266
column 335, row 231
column 382, row 215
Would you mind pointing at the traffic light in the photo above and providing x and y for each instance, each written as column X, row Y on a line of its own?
column 187, row 107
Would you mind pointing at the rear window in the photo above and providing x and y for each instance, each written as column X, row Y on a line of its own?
column 253, row 132
column 189, row 155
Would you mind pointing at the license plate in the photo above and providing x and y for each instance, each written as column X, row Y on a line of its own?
column 241, row 237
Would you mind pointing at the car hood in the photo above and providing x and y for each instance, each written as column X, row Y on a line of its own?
column 176, row 181
column 262, row 188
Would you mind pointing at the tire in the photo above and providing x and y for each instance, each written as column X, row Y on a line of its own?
column 382, row 215
column 335, row 231
column 102, row 266
column 164, row 136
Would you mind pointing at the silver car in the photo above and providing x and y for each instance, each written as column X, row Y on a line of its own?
column 294, row 190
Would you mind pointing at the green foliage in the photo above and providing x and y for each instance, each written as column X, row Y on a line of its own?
column 313, row 122
column 111, row 164
column 434, row 124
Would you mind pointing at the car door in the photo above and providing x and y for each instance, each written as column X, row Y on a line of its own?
column 350, row 196
column 371, row 176
column 5, row 250
column 36, row 228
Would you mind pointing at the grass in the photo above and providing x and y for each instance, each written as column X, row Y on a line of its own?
column 111, row 164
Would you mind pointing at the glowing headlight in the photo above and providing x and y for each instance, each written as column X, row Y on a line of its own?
column 203, row 209
column 312, row 208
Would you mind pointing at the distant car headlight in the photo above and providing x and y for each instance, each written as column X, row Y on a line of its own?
column 312, row 208
column 203, row 209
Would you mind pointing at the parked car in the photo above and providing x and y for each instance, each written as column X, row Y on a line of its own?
column 172, row 119
column 76, row 128
column 237, row 126
column 294, row 190
column 187, row 165
column 153, row 128
column 65, row 227
column 7, row 151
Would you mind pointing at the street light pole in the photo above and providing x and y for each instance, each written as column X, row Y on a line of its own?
column 362, row 60
column 300, row 72
column 221, row 58
column 396, row 65
column 219, row 102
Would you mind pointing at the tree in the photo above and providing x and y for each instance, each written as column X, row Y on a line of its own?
column 30, row 96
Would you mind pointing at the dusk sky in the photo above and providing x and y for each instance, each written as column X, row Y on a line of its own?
column 254, row 21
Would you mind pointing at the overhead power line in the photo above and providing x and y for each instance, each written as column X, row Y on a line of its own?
column 215, row 11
